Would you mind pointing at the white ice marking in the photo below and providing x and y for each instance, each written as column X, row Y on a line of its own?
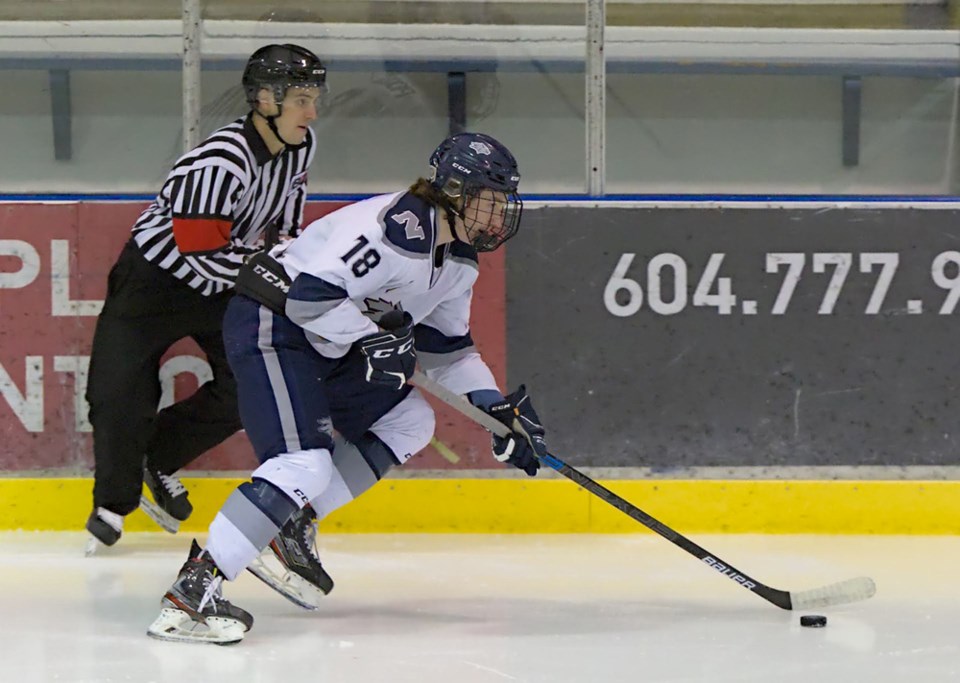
column 491, row 670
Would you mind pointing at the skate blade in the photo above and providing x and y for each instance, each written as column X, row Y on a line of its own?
column 176, row 625
column 92, row 546
column 169, row 524
column 290, row 585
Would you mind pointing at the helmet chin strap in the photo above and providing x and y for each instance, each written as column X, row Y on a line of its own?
column 272, row 123
column 471, row 238
column 453, row 213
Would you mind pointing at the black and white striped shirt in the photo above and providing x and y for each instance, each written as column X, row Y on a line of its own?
column 218, row 200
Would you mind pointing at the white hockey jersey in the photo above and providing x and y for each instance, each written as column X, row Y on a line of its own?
column 352, row 265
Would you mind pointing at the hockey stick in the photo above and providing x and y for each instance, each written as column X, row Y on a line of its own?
column 840, row 593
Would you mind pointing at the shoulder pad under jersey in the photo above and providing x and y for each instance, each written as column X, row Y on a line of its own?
column 407, row 224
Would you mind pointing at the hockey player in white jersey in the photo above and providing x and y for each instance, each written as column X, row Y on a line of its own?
column 322, row 337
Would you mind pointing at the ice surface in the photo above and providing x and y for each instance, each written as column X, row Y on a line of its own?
column 478, row 608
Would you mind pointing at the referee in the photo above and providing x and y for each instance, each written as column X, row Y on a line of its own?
column 242, row 187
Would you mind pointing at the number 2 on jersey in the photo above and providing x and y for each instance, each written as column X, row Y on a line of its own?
column 367, row 261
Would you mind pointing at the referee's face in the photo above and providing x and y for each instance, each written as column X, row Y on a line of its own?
column 299, row 111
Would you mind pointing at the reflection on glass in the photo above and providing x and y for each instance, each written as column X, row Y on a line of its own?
column 701, row 97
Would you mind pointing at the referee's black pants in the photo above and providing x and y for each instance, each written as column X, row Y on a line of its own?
column 146, row 310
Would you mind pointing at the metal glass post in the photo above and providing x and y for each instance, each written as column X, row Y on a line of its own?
column 596, row 97
column 192, row 23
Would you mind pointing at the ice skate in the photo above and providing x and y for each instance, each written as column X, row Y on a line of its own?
column 106, row 528
column 194, row 609
column 290, row 564
column 170, row 504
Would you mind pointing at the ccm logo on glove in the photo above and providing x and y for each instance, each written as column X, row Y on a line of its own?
column 390, row 356
column 526, row 445
column 386, row 353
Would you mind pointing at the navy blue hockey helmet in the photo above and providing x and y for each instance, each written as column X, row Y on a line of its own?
column 465, row 165
column 279, row 67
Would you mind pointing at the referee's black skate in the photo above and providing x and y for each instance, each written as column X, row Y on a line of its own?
column 194, row 609
column 170, row 504
column 106, row 528
column 290, row 564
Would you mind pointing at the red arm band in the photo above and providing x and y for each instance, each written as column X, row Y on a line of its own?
column 194, row 235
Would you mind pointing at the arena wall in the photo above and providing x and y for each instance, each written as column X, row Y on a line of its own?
column 725, row 369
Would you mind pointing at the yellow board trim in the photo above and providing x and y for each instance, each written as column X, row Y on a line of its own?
column 552, row 506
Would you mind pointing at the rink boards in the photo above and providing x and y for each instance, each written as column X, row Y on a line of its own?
column 548, row 505
column 670, row 338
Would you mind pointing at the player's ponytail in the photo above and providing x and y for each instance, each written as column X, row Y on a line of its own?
column 425, row 190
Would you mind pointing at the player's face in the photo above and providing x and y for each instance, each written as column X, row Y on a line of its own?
column 484, row 214
column 299, row 111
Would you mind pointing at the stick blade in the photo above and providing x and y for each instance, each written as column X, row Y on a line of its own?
column 851, row 590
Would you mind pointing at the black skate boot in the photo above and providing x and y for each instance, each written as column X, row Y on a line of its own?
column 170, row 504
column 291, row 566
column 194, row 609
column 106, row 527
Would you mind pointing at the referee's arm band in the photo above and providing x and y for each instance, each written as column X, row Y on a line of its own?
column 201, row 235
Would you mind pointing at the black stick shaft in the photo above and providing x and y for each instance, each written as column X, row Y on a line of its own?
column 777, row 597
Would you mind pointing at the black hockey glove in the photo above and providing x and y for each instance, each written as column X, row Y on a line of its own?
column 391, row 358
column 524, row 448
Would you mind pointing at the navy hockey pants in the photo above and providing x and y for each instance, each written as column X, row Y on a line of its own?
column 289, row 394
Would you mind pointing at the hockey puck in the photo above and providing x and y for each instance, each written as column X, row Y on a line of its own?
column 813, row 620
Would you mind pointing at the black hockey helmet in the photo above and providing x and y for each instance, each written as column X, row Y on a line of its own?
column 466, row 164
column 280, row 67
